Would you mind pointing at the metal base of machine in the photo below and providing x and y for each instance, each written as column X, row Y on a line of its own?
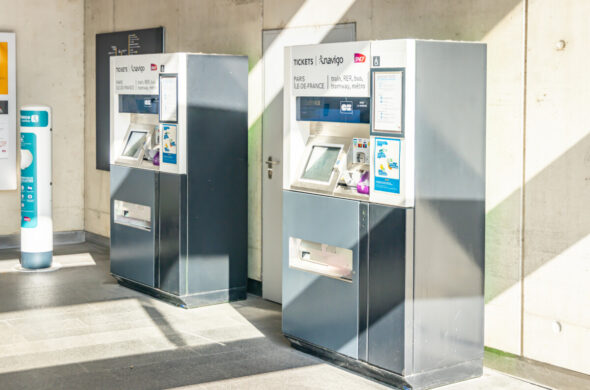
column 187, row 301
column 36, row 260
column 424, row 380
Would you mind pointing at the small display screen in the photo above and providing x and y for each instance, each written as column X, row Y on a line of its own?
column 138, row 104
column 135, row 142
column 321, row 163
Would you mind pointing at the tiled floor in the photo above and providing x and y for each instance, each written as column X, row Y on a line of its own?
column 75, row 328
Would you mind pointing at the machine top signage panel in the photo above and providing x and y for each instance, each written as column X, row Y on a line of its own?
column 139, row 74
column 330, row 70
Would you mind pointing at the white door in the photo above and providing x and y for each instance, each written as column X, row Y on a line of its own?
column 273, row 44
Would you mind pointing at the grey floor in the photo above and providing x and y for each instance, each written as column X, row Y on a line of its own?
column 75, row 328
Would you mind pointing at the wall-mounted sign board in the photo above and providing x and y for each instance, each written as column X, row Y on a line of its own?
column 121, row 43
column 7, row 111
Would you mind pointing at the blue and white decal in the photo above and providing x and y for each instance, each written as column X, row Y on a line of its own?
column 34, row 118
column 28, row 145
column 169, row 144
column 386, row 164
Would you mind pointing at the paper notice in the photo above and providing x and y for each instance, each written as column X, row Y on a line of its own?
column 388, row 101
column 168, row 99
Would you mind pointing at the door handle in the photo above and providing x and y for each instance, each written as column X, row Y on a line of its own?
column 269, row 164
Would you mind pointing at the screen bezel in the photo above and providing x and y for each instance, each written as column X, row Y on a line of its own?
column 167, row 76
column 388, row 133
column 128, row 138
column 325, row 145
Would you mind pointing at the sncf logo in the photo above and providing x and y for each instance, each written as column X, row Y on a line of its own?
column 358, row 57
column 154, row 67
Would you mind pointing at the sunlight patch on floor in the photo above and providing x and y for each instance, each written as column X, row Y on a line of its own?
column 66, row 261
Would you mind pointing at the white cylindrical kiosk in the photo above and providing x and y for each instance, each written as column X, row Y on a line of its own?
column 36, row 218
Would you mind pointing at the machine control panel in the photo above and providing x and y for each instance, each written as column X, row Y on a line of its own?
column 148, row 122
column 366, row 108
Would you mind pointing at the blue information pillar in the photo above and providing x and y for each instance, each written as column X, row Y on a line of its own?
column 36, row 216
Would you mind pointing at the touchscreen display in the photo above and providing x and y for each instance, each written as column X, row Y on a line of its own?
column 321, row 163
column 134, row 144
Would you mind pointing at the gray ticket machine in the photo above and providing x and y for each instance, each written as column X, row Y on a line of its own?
column 179, row 176
column 383, row 207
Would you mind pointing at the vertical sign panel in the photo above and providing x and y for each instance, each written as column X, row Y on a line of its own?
column 147, row 41
column 7, row 112
column 388, row 101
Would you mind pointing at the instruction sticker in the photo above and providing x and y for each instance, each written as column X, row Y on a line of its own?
column 169, row 146
column 387, row 165
column 388, row 101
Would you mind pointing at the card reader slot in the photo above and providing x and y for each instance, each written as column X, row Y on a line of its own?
column 322, row 259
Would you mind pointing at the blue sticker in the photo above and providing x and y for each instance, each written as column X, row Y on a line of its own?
column 28, row 146
column 169, row 158
column 169, row 144
column 387, row 165
column 34, row 118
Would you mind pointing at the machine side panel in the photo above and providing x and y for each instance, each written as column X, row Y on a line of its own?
column 387, row 258
column 449, row 206
column 316, row 308
column 171, row 228
column 135, row 262
column 217, row 163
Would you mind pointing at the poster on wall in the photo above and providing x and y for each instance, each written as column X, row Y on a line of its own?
column 7, row 112
column 121, row 43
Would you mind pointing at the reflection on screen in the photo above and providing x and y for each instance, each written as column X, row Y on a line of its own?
column 321, row 162
column 134, row 144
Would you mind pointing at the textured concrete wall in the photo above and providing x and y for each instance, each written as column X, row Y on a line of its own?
column 49, row 70
column 556, row 319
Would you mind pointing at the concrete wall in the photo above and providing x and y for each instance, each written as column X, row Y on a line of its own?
column 50, row 70
column 556, row 312
column 537, row 218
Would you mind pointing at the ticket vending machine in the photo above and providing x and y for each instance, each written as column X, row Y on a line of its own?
column 179, row 176
column 383, row 207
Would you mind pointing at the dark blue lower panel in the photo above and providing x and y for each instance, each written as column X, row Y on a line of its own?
column 37, row 260
column 134, row 251
column 386, row 292
column 316, row 308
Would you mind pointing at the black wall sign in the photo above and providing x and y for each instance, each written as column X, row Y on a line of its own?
column 120, row 43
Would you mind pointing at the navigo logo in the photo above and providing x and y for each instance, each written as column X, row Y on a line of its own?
column 358, row 58
column 154, row 67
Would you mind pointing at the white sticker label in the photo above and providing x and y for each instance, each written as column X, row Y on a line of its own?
column 387, row 101
column 168, row 99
